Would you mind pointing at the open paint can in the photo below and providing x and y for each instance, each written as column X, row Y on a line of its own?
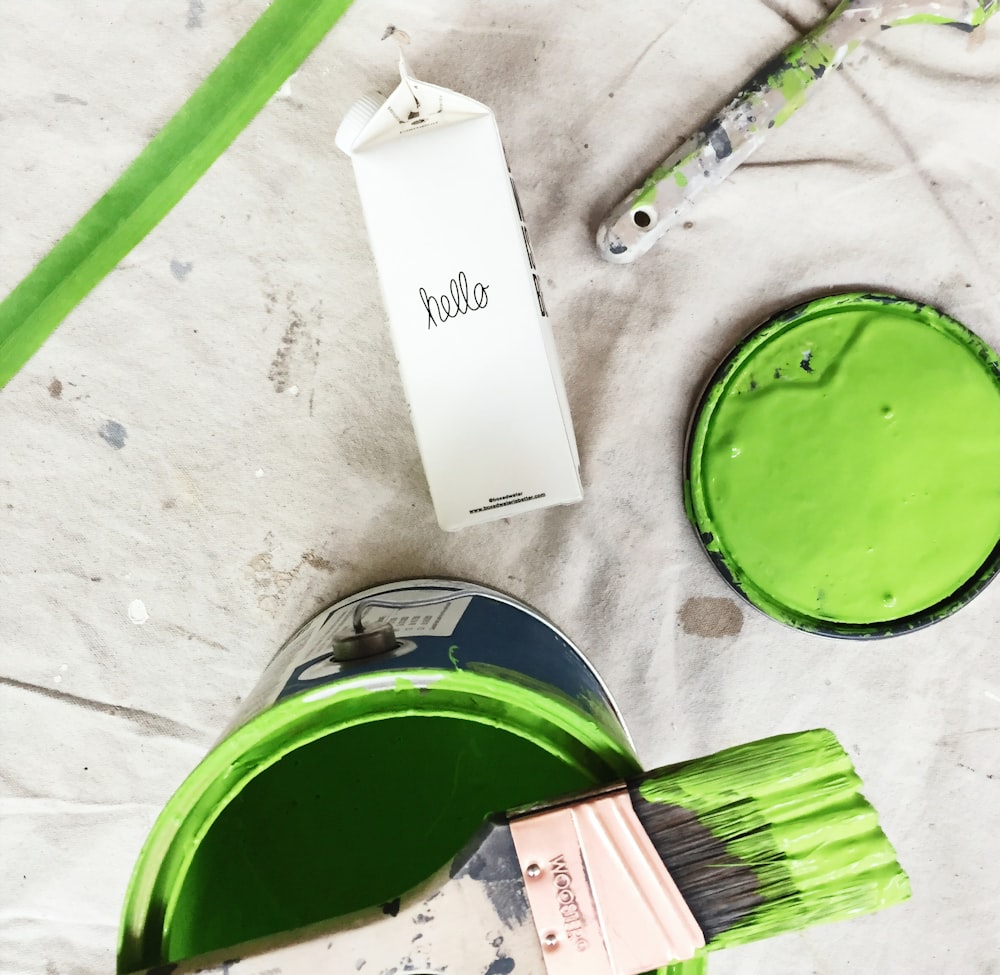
column 376, row 742
column 843, row 466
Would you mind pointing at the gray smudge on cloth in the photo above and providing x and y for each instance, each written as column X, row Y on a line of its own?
column 114, row 434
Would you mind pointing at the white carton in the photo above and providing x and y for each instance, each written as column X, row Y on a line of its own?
column 465, row 308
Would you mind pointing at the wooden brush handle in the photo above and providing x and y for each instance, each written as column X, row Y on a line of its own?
column 777, row 91
column 470, row 917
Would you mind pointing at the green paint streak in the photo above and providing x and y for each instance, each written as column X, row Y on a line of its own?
column 320, row 807
column 163, row 172
column 679, row 178
column 795, row 80
column 789, row 807
column 453, row 655
column 647, row 196
column 865, row 489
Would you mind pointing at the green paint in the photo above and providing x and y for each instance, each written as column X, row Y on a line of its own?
column 803, row 61
column 321, row 806
column 453, row 655
column 823, row 855
column 649, row 191
column 163, row 172
column 648, row 194
column 847, row 463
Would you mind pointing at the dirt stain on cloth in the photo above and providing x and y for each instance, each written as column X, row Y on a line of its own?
column 711, row 616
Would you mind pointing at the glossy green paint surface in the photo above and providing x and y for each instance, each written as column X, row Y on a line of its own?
column 326, row 804
column 846, row 466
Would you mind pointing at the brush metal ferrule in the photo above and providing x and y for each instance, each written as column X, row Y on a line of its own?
column 602, row 900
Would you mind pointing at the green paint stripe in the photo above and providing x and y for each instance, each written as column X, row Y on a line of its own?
column 163, row 172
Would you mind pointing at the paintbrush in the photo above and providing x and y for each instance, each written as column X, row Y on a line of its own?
column 768, row 100
column 751, row 842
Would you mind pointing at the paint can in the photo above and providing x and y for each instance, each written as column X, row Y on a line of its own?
column 842, row 466
column 377, row 740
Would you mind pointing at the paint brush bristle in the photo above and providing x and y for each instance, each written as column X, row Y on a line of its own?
column 769, row 837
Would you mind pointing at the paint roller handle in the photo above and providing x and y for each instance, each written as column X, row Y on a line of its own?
column 711, row 154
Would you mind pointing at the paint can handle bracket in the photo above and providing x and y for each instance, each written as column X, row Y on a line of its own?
column 360, row 643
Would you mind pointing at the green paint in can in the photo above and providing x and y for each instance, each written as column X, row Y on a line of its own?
column 344, row 784
column 843, row 466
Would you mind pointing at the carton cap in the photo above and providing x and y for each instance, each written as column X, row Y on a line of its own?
column 357, row 117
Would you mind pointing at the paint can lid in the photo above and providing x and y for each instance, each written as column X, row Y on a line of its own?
column 842, row 464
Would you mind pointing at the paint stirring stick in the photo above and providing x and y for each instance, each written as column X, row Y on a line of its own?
column 768, row 100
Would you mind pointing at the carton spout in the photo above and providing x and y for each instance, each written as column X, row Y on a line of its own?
column 354, row 122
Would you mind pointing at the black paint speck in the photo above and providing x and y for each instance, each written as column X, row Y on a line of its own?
column 719, row 140
column 391, row 907
column 806, row 362
column 617, row 248
column 114, row 434
column 501, row 966
column 777, row 373
column 359, row 964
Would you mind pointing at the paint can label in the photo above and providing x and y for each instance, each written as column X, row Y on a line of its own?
column 440, row 625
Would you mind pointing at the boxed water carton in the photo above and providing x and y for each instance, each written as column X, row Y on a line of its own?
column 464, row 302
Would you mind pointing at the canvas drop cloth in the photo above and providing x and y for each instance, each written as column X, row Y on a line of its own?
column 215, row 443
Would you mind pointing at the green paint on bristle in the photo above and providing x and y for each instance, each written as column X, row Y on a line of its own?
column 789, row 810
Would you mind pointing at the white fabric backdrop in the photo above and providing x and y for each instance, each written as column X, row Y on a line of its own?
column 155, row 450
